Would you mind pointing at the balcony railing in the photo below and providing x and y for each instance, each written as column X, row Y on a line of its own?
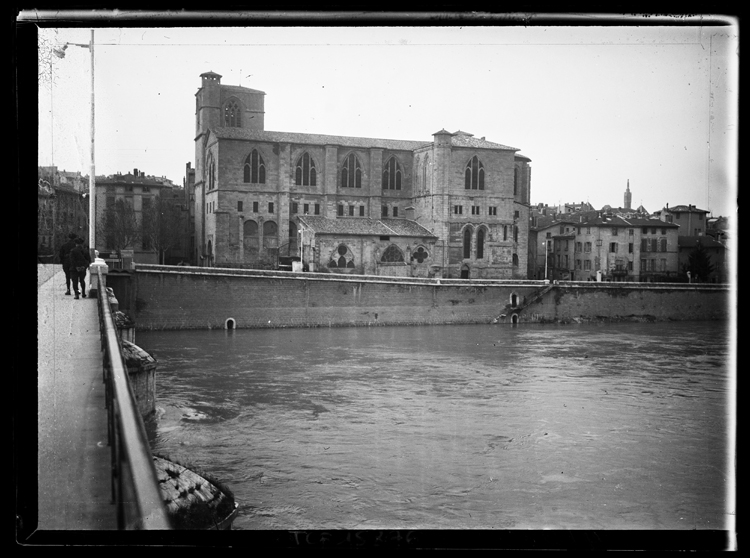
column 135, row 487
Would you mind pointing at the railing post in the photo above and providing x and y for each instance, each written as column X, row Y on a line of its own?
column 97, row 273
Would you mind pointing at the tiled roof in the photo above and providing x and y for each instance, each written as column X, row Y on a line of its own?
column 317, row 139
column 365, row 226
column 599, row 219
column 683, row 208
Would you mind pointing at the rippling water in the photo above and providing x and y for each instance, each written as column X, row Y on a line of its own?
column 454, row 427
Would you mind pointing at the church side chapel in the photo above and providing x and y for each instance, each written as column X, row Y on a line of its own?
column 453, row 206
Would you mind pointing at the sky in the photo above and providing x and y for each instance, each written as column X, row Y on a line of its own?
column 592, row 106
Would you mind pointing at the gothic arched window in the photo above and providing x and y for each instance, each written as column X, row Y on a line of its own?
column 351, row 172
column 232, row 114
column 305, row 173
column 425, row 173
column 392, row 175
column 467, row 242
column 392, row 254
column 254, row 169
column 480, row 243
column 211, row 168
column 474, row 175
column 342, row 257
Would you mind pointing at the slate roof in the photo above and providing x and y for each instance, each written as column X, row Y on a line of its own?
column 365, row 226
column 459, row 139
column 317, row 139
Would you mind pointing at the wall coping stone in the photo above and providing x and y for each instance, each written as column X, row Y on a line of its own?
column 421, row 281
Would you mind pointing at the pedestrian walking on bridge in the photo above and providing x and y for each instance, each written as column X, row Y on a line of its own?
column 80, row 260
column 65, row 259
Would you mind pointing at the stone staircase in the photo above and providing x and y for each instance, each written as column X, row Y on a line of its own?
column 528, row 301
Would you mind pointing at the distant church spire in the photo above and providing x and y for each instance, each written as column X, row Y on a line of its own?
column 628, row 196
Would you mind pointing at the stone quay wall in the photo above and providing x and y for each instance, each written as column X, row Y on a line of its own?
column 170, row 297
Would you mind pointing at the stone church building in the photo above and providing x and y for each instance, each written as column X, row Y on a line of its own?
column 454, row 206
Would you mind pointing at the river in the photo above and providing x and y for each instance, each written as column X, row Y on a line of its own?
column 588, row 426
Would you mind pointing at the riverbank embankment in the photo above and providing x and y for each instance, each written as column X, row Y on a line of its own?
column 171, row 297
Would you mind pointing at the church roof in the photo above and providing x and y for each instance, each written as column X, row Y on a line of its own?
column 317, row 139
column 459, row 139
column 365, row 226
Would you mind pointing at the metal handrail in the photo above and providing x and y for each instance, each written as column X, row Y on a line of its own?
column 135, row 486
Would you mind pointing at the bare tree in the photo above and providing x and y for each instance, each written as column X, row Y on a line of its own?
column 119, row 226
column 163, row 225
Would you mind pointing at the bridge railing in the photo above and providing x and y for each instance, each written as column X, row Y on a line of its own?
column 135, row 486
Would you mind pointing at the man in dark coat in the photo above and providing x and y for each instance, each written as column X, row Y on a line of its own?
column 65, row 259
column 80, row 260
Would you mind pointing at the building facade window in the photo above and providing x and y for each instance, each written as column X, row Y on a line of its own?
column 420, row 254
column 351, row 172
column 587, row 247
column 663, row 244
column 239, row 206
column 255, row 207
column 317, row 209
column 515, row 260
column 232, row 114
column 492, row 211
column 342, row 257
column 211, row 167
column 613, row 247
column 392, row 175
column 384, row 211
column 306, row 208
column 474, row 175
column 351, row 211
column 270, row 207
column 361, row 210
column 480, row 243
column 458, row 209
column 587, row 265
column 305, row 173
column 392, row 254
column 515, row 181
column 254, row 170
column 467, row 242
column 475, row 210
column 340, row 210
column 395, row 211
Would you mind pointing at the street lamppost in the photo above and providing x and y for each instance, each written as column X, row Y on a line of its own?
column 60, row 53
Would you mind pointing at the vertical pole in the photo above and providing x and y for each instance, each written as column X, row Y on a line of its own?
column 92, row 177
